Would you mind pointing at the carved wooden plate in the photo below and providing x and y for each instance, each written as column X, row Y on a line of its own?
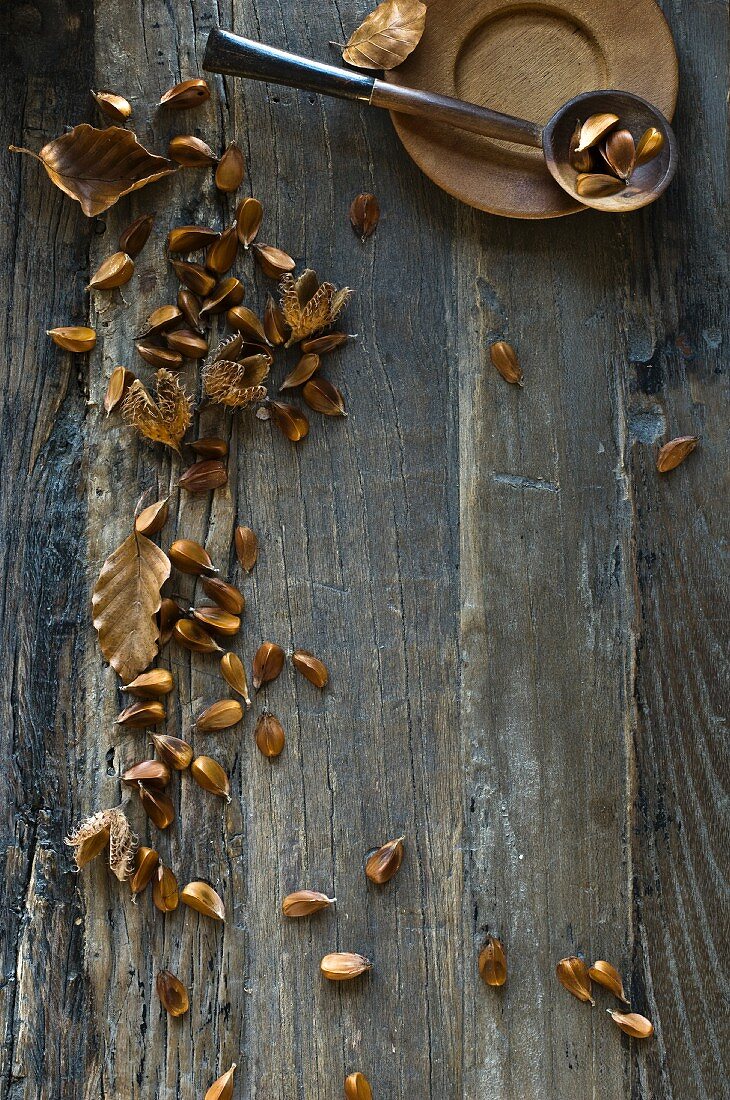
column 527, row 60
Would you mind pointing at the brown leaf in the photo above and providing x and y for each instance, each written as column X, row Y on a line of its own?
column 365, row 215
column 674, row 452
column 309, row 306
column 387, row 36
column 96, row 167
column 164, row 420
column 125, row 603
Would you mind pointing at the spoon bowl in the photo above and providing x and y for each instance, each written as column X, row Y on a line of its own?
column 647, row 182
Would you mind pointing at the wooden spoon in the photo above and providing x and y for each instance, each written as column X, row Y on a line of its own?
column 228, row 53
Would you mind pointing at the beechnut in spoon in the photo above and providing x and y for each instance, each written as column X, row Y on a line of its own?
column 609, row 150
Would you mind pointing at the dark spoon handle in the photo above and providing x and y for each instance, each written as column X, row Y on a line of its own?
column 228, row 53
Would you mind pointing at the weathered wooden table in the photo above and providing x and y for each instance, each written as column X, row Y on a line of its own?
column 523, row 621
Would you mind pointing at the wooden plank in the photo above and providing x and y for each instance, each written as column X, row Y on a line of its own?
column 358, row 563
column 677, row 385
column 591, row 688
column 44, row 244
column 544, row 581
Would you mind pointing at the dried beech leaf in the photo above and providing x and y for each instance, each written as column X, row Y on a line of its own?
column 387, row 36
column 125, row 603
column 164, row 420
column 364, row 215
column 96, row 167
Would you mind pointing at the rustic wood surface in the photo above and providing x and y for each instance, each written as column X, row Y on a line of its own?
column 523, row 622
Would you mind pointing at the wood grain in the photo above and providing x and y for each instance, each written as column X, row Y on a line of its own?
column 522, row 620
